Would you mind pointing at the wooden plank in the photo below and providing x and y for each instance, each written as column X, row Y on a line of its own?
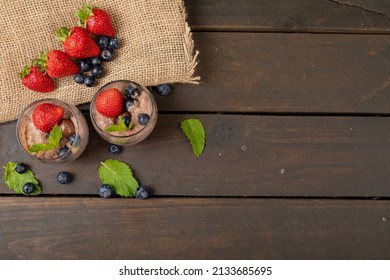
column 84, row 228
column 310, row 73
column 290, row 16
column 245, row 155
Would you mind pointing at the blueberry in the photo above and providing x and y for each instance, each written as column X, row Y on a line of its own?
column 79, row 78
column 96, row 60
column 21, row 168
column 131, row 92
column 115, row 43
column 97, row 71
column 142, row 192
column 63, row 151
column 74, row 140
column 143, row 119
column 107, row 54
column 128, row 103
column 84, row 65
column 28, row 188
column 114, row 149
column 103, row 41
column 105, row 191
column 63, row 177
column 164, row 89
column 89, row 81
column 126, row 120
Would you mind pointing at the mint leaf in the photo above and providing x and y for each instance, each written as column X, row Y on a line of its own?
column 54, row 141
column 119, row 176
column 119, row 127
column 194, row 131
column 55, row 136
column 40, row 147
column 16, row 181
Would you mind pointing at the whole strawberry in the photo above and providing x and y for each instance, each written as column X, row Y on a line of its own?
column 57, row 64
column 109, row 103
column 95, row 20
column 77, row 42
column 46, row 115
column 35, row 79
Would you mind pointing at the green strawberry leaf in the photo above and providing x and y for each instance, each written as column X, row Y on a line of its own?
column 194, row 131
column 119, row 127
column 54, row 141
column 119, row 176
column 16, row 181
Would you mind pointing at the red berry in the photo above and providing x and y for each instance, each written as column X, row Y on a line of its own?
column 78, row 43
column 45, row 116
column 59, row 64
column 36, row 80
column 110, row 103
column 96, row 21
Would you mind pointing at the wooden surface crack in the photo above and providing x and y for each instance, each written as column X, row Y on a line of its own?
column 348, row 4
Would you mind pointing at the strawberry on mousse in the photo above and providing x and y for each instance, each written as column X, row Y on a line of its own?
column 52, row 130
column 123, row 112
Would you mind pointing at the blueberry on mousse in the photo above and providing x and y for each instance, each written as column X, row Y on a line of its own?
column 143, row 119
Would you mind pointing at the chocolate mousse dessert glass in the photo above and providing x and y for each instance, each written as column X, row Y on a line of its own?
column 123, row 112
column 52, row 131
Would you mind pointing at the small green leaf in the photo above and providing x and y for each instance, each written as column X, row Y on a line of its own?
column 40, row 147
column 194, row 131
column 16, row 181
column 119, row 176
column 55, row 136
column 54, row 141
column 119, row 127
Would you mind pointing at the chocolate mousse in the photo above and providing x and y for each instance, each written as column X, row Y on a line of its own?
column 51, row 131
column 133, row 122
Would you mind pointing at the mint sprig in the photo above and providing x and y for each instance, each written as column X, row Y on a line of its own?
column 119, row 127
column 54, row 141
column 119, row 176
column 194, row 130
column 16, row 181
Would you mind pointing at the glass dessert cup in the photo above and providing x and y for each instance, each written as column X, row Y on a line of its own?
column 142, row 103
column 74, row 133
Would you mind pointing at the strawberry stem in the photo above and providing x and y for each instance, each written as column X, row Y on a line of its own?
column 26, row 70
column 82, row 14
column 62, row 33
column 41, row 62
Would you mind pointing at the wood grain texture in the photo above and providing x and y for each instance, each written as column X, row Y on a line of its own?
column 305, row 73
column 244, row 156
column 290, row 16
column 84, row 228
column 297, row 160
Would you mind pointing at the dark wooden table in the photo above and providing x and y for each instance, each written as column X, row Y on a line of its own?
column 295, row 102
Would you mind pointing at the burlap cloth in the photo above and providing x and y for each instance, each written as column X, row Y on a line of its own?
column 157, row 46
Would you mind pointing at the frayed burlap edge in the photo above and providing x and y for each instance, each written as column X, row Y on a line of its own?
column 190, row 61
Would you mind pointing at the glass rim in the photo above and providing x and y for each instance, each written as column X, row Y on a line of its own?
column 68, row 107
column 150, row 95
